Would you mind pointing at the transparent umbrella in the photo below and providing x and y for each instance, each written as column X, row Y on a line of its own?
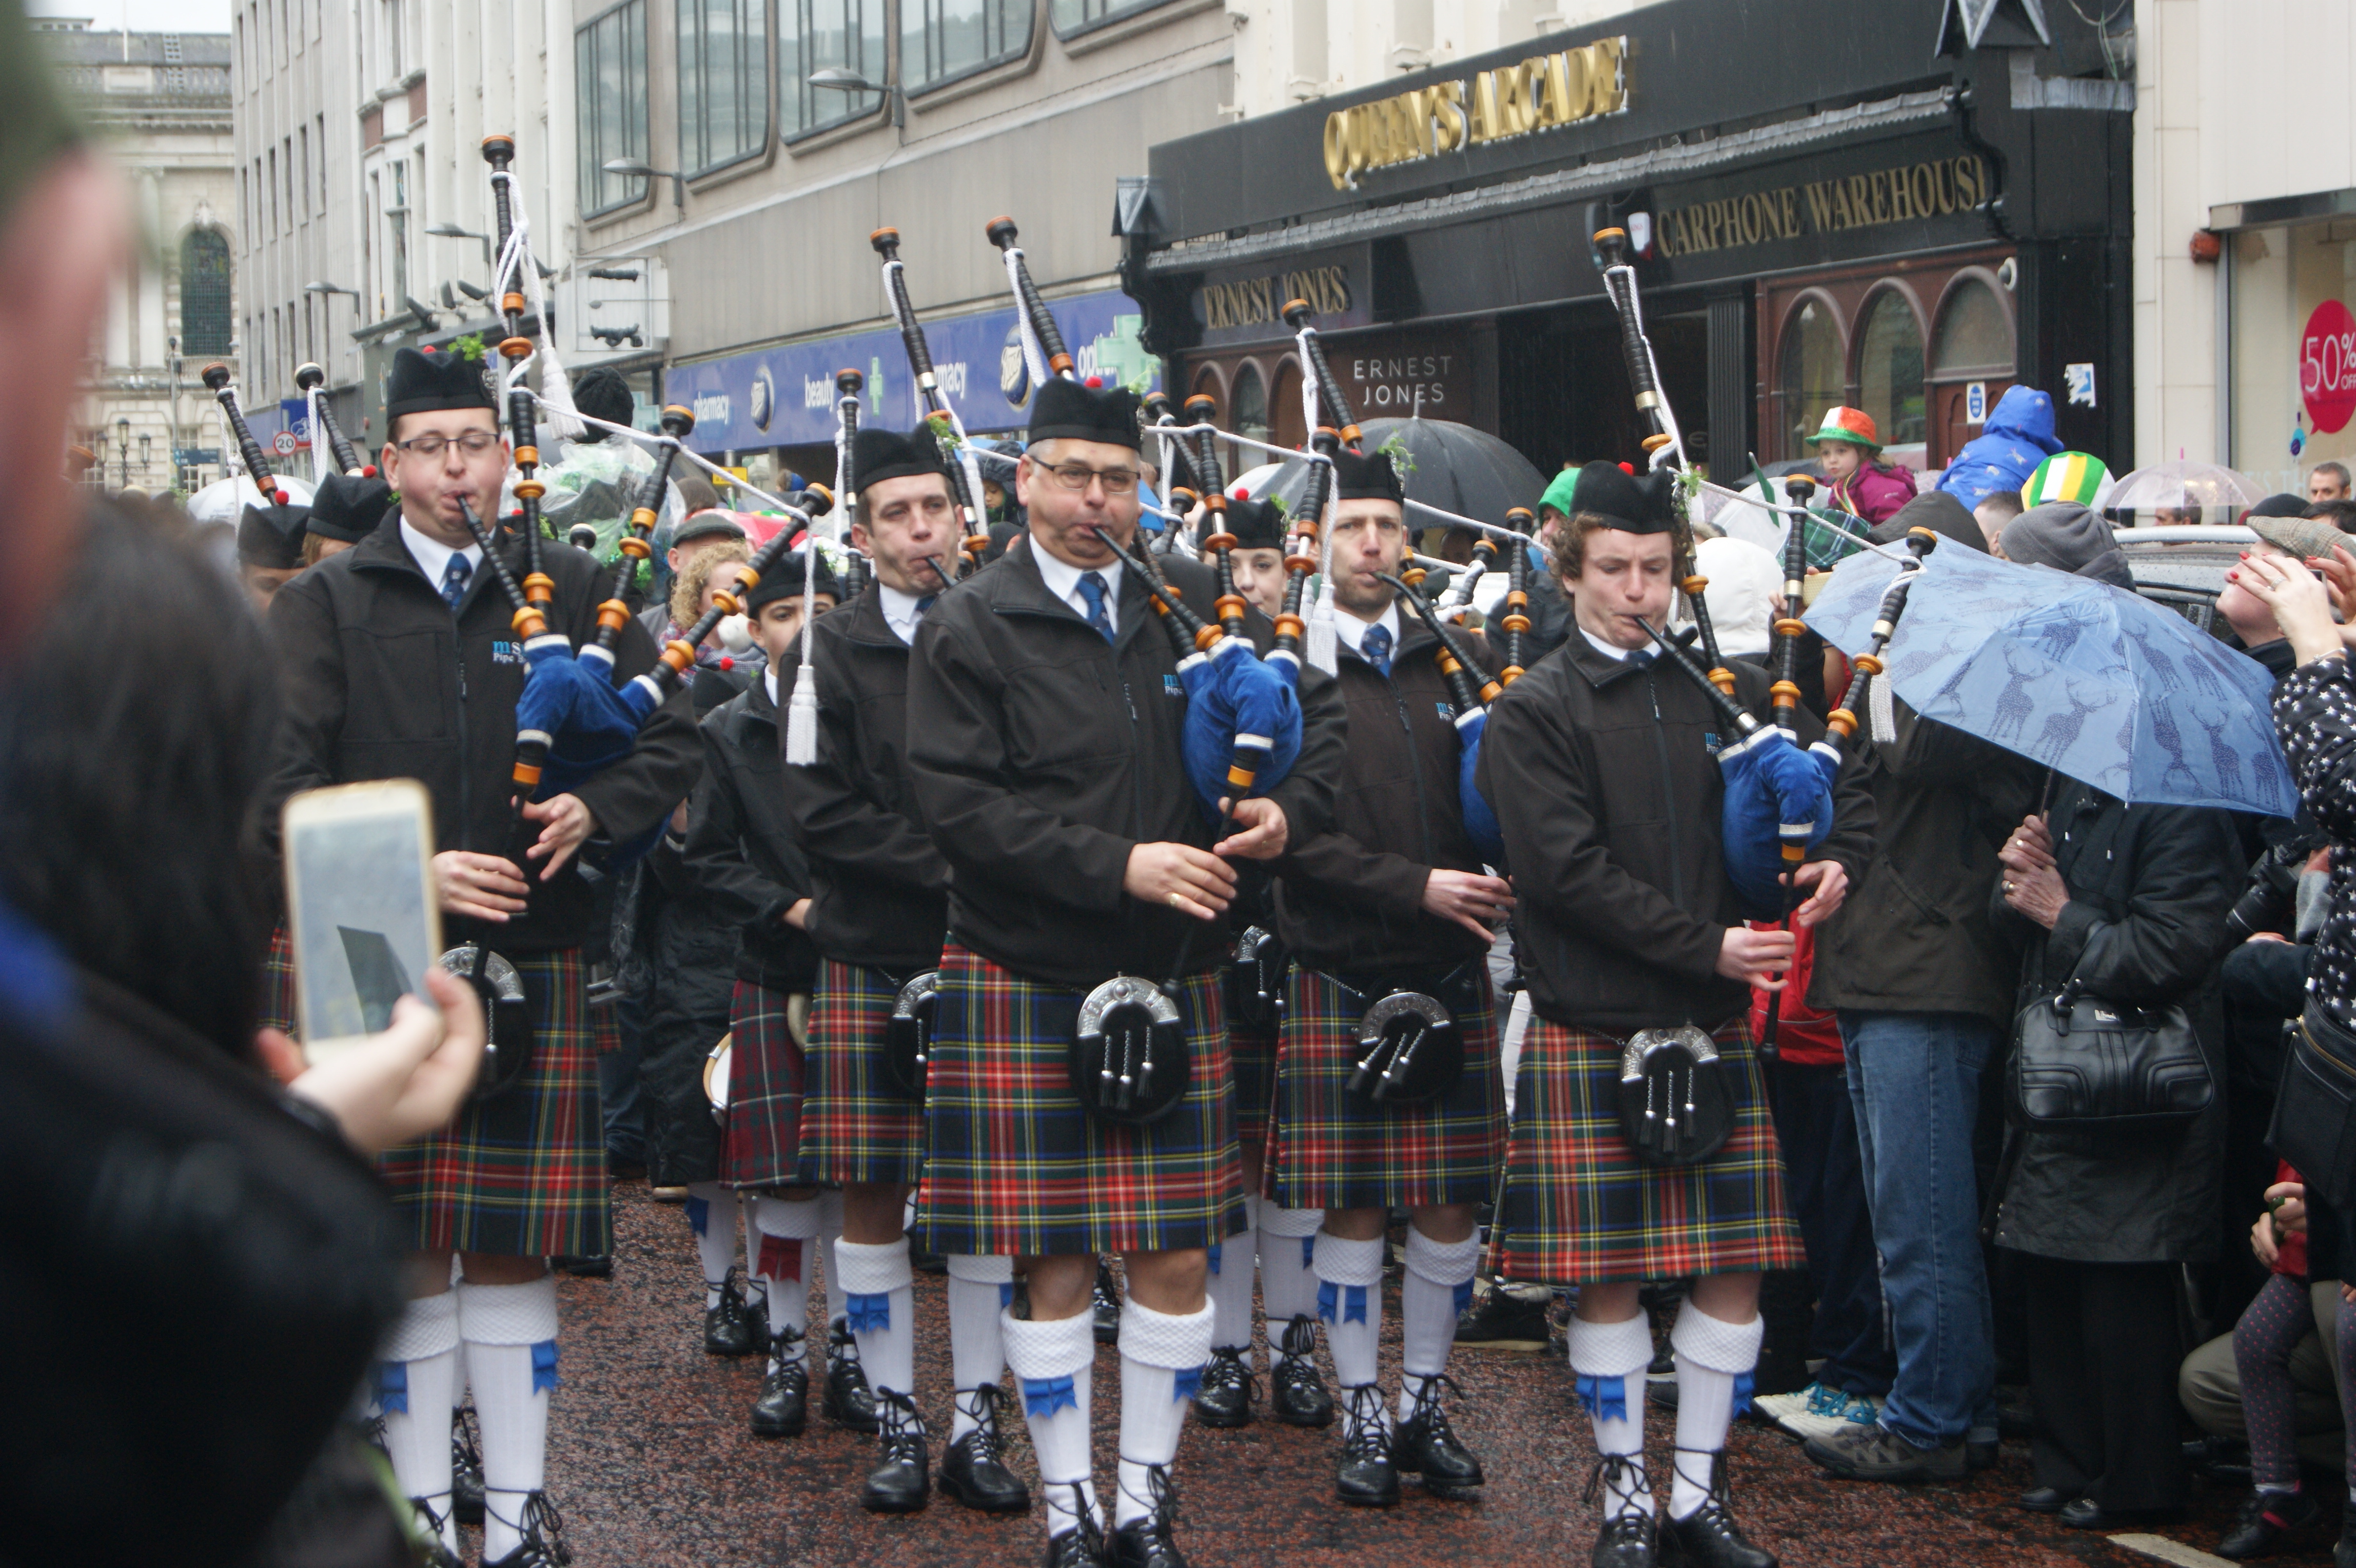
column 225, row 500
column 2188, row 491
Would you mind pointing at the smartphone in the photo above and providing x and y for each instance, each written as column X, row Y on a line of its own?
column 361, row 907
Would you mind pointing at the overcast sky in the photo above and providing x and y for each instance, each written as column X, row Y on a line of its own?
column 142, row 15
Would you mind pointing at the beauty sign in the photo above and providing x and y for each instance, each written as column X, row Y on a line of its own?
column 2327, row 366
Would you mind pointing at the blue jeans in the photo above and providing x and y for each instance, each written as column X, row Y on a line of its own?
column 1915, row 1079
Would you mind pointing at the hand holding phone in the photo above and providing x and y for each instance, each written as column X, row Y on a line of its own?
column 362, row 908
column 400, row 1084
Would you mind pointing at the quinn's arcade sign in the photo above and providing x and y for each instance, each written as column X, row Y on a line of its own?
column 1565, row 88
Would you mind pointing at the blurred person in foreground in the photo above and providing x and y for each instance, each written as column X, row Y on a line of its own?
column 111, row 1106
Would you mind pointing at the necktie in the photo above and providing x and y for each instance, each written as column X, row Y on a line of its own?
column 924, row 604
column 1641, row 657
column 1092, row 589
column 454, row 580
column 1376, row 648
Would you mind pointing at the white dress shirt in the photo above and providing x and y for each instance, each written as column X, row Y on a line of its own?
column 900, row 611
column 1063, row 580
column 432, row 557
column 1352, row 630
column 1611, row 650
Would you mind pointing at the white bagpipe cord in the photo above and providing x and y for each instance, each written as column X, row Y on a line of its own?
column 1308, row 387
column 318, row 439
column 555, row 386
column 1325, row 639
column 1033, row 354
column 801, row 713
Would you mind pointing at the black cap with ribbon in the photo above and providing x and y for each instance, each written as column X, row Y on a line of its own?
column 1625, row 502
column 878, row 454
column 788, row 578
column 1367, row 477
column 272, row 536
column 425, row 381
column 1076, row 410
column 348, row 508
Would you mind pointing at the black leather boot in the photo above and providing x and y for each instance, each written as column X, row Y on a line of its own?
column 466, row 1471
column 1105, row 1305
column 1224, row 1399
column 1297, row 1393
column 431, row 1524
column 848, row 1401
column 782, row 1407
column 1425, row 1445
column 1709, row 1536
column 902, row 1480
column 1628, row 1537
column 1081, row 1547
column 974, row 1471
column 1366, row 1476
column 729, row 1328
column 543, row 1538
column 1146, row 1542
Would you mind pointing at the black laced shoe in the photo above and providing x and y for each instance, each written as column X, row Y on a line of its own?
column 1709, row 1536
column 2268, row 1521
column 428, row 1535
column 782, row 1407
column 1424, row 1446
column 902, row 1480
column 973, row 1471
column 1629, row 1538
column 848, row 1401
column 465, row 1470
column 1225, row 1398
column 1367, row 1477
column 1145, row 1543
column 543, row 1538
column 1104, row 1307
column 1081, row 1547
column 728, row 1329
column 1297, row 1393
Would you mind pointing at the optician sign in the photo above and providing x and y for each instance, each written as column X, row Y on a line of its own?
column 785, row 396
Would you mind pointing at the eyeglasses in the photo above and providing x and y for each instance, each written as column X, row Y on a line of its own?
column 473, row 443
column 1076, row 477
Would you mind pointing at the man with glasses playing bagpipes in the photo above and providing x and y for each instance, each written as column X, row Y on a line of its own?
column 401, row 661
column 1387, row 1089
column 879, row 908
column 1642, row 1148
column 1046, row 715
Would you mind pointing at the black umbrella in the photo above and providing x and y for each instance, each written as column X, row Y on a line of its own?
column 1452, row 466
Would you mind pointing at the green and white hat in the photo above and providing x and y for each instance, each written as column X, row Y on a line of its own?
column 2069, row 477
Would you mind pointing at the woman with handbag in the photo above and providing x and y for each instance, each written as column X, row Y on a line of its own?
column 2117, row 1144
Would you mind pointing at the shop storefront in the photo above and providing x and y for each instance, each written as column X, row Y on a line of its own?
column 1830, row 214
column 773, row 410
column 2289, row 356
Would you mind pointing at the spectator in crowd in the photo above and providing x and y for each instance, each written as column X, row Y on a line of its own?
column 1848, row 450
column 2018, row 436
column 2069, row 538
column 1996, row 509
column 2328, row 482
column 2276, row 1384
column 2128, row 903
column 1923, row 984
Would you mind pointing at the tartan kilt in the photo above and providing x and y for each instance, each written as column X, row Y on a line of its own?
column 278, row 1006
column 856, row 1124
column 759, row 1142
column 522, row 1174
column 1253, row 1051
column 1581, row 1209
column 1017, row 1165
column 1338, row 1152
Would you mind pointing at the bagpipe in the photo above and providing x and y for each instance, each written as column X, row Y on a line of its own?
column 309, row 379
column 215, row 377
column 1778, row 797
column 948, row 431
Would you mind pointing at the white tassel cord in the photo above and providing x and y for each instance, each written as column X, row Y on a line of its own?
column 1325, row 640
column 1308, row 385
column 1033, row 354
column 555, row 386
column 801, row 713
column 319, row 462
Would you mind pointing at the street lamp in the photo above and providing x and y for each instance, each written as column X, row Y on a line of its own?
column 836, row 79
column 147, row 450
column 451, row 231
column 123, row 450
column 640, row 168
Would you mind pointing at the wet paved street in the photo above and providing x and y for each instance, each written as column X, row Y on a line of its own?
column 652, row 1466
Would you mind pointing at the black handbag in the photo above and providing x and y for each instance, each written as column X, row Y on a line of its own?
column 2314, row 1125
column 2084, row 1065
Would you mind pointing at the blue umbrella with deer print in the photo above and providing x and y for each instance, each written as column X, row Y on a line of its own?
column 2089, row 680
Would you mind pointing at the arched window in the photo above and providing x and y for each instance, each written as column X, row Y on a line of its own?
column 1809, row 379
column 1247, row 415
column 204, row 293
column 1889, row 369
column 1975, row 332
